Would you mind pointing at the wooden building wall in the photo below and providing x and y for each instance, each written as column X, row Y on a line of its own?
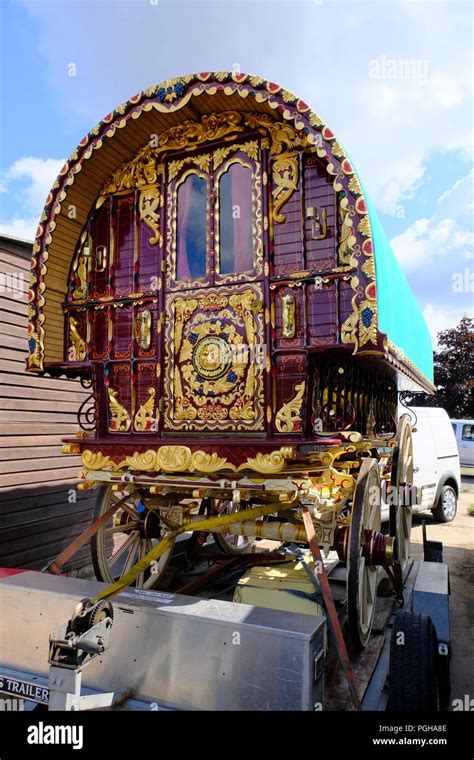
column 37, row 519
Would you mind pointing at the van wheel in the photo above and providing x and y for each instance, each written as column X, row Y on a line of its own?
column 446, row 508
column 413, row 683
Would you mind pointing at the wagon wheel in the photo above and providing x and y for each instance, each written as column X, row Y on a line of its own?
column 361, row 578
column 401, row 507
column 229, row 543
column 131, row 532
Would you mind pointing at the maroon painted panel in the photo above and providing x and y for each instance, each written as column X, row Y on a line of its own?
column 124, row 245
column 149, row 261
column 145, row 418
column 122, row 327
column 288, row 238
column 99, row 333
column 319, row 194
column 290, row 370
column 100, row 252
column 118, row 392
column 322, row 309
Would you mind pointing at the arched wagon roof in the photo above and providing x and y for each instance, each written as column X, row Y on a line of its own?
column 385, row 320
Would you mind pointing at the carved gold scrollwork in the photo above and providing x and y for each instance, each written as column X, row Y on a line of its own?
column 285, row 181
column 145, row 416
column 282, row 136
column 120, row 420
column 149, row 205
column 144, row 168
column 81, row 268
column 78, row 345
column 288, row 419
column 182, row 459
column 249, row 148
column 289, row 315
column 203, row 162
column 348, row 239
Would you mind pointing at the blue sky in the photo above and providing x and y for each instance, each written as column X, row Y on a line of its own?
column 393, row 80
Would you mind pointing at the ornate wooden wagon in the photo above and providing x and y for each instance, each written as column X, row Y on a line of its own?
column 209, row 263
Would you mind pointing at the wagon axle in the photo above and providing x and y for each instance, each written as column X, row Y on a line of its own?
column 377, row 548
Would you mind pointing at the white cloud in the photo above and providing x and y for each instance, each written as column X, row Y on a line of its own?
column 29, row 181
column 18, row 227
column 37, row 174
column 390, row 126
column 439, row 319
column 448, row 234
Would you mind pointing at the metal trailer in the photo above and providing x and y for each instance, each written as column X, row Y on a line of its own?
column 168, row 651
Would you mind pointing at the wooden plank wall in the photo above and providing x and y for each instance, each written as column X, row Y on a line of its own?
column 37, row 518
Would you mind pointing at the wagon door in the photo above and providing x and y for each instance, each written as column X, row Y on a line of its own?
column 216, row 332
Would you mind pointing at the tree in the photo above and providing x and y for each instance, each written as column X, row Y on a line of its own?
column 454, row 370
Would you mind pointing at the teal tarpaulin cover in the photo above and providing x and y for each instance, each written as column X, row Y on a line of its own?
column 399, row 315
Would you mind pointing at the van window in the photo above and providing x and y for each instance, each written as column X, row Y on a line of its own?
column 455, row 427
column 468, row 432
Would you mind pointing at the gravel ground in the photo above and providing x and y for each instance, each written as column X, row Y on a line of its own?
column 458, row 542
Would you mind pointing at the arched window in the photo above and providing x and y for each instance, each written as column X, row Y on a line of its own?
column 235, row 219
column 192, row 226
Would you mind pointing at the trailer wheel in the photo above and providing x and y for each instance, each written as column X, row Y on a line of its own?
column 361, row 577
column 413, row 672
column 446, row 508
column 125, row 538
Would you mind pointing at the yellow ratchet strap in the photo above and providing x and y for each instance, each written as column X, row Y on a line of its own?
column 154, row 554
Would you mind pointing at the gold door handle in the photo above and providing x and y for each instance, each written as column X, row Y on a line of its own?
column 289, row 316
column 143, row 329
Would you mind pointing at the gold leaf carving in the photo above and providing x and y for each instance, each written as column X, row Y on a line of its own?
column 285, row 181
column 364, row 226
column 120, row 420
column 149, row 209
column 173, row 458
column 269, row 464
column 78, row 343
column 146, row 413
column 95, row 460
column 288, row 419
column 249, row 148
column 348, row 239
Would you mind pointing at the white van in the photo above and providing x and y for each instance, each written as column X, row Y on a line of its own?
column 437, row 474
column 464, row 432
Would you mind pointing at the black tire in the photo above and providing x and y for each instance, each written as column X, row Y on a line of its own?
column 413, row 672
column 447, row 506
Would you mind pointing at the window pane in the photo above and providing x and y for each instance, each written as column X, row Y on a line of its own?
column 191, row 228
column 236, row 217
column 468, row 433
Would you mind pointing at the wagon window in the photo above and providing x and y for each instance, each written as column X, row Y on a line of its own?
column 191, row 228
column 235, row 219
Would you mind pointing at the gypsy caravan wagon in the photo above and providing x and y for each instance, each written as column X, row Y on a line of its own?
column 209, row 264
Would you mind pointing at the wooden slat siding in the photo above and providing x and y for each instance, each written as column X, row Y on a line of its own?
column 36, row 518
